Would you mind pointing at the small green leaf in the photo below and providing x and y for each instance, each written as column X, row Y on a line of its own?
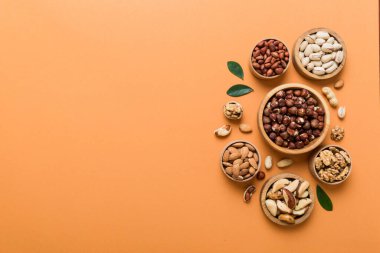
column 324, row 199
column 238, row 90
column 235, row 69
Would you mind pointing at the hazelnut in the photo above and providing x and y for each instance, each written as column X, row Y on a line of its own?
column 267, row 128
column 304, row 136
column 314, row 123
column 291, row 145
column 289, row 102
column 273, row 117
column 281, row 102
column 272, row 136
column 289, row 92
column 273, row 104
column 283, row 110
column 311, row 101
column 280, row 94
column 293, row 125
column 305, row 93
column 284, row 135
column 279, row 141
column 306, row 125
column 301, row 112
column 279, row 118
column 299, row 144
column 286, row 120
column 282, row 128
column 320, row 111
column 297, row 93
column 260, row 175
column 292, row 110
column 266, row 120
column 276, row 127
column 316, row 132
column 300, row 120
column 267, row 111
column 309, row 112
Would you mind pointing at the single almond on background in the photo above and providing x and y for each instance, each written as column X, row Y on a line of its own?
column 284, row 163
column 245, row 128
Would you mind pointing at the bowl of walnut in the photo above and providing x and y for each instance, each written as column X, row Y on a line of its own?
column 331, row 164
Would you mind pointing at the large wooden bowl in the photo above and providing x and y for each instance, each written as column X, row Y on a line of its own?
column 314, row 143
column 297, row 62
column 258, row 75
column 312, row 164
column 263, row 194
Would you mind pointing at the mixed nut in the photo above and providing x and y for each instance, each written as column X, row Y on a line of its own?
column 240, row 161
column 321, row 53
column 293, row 118
column 332, row 164
column 288, row 199
column 270, row 58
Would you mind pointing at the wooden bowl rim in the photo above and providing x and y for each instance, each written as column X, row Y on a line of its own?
column 265, row 189
column 312, row 164
column 255, row 73
column 221, row 161
column 298, row 65
column 313, row 144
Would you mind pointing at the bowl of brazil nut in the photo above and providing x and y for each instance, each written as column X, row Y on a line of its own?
column 319, row 54
column 286, row 199
column 240, row 161
column 293, row 118
column 331, row 164
column 269, row 59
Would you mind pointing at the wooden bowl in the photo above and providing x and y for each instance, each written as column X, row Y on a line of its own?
column 314, row 172
column 314, row 143
column 297, row 62
column 258, row 75
column 225, row 173
column 264, row 191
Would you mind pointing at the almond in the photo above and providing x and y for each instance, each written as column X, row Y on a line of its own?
column 234, row 156
column 244, row 152
column 253, row 163
column 226, row 154
column 238, row 145
column 245, row 128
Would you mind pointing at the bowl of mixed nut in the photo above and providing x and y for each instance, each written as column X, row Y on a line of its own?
column 331, row 164
column 293, row 118
column 240, row 161
column 286, row 199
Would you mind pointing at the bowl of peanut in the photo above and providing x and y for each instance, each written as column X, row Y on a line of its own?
column 331, row 164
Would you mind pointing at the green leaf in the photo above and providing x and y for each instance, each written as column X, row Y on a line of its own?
column 238, row 90
column 324, row 199
column 235, row 69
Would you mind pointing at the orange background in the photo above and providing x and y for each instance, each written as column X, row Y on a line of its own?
column 107, row 112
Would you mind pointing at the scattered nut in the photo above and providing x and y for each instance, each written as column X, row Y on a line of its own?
column 339, row 84
column 337, row 133
column 330, row 95
column 268, row 162
column 223, row 131
column 332, row 164
column 240, row 161
column 245, row 128
column 260, row 175
column 248, row 193
column 284, row 163
column 233, row 110
column 341, row 112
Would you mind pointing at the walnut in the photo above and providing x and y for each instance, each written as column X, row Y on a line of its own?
column 326, row 156
column 344, row 154
column 318, row 163
column 337, row 133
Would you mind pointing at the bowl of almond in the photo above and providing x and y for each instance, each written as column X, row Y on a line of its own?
column 286, row 199
column 240, row 161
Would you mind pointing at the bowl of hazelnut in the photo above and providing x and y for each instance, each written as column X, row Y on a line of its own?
column 294, row 118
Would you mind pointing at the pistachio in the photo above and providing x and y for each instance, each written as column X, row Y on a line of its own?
column 284, row 163
column 272, row 207
column 286, row 218
column 268, row 162
column 283, row 207
column 279, row 184
column 289, row 198
column 302, row 204
column 245, row 128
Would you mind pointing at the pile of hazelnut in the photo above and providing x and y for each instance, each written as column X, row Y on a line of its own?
column 293, row 118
